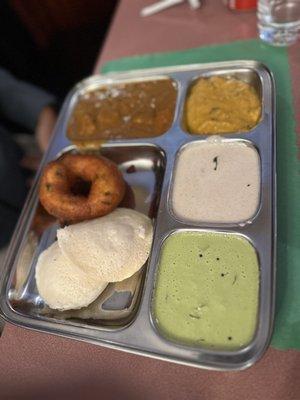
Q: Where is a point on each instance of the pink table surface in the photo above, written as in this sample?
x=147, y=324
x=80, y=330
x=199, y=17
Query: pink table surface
x=40, y=366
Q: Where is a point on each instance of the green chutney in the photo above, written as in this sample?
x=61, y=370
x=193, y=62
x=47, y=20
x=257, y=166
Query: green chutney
x=207, y=290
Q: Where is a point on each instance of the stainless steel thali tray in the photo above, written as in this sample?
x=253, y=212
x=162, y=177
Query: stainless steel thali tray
x=124, y=319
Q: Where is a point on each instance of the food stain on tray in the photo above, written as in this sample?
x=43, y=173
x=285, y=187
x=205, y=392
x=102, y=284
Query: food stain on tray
x=221, y=105
x=129, y=110
x=207, y=290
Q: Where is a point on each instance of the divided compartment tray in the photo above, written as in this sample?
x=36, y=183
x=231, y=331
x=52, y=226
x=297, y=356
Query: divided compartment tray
x=130, y=327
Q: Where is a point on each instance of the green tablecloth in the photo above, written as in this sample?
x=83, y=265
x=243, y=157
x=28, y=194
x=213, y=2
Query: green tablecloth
x=287, y=323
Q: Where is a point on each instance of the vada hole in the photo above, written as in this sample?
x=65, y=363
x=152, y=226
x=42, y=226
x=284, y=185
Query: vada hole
x=81, y=187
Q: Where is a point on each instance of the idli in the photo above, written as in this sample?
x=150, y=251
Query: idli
x=110, y=248
x=61, y=284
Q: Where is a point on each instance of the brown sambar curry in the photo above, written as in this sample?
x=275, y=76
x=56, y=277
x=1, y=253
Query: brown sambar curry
x=221, y=105
x=129, y=110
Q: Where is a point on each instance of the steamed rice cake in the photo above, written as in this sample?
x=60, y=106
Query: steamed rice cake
x=63, y=285
x=110, y=248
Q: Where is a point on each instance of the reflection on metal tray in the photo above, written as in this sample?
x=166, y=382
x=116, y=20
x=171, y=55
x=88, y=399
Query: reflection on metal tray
x=121, y=317
x=114, y=306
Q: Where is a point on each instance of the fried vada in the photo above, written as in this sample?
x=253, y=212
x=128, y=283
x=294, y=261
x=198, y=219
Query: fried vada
x=78, y=187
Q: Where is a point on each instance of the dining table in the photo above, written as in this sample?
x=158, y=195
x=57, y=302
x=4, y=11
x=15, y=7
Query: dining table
x=37, y=365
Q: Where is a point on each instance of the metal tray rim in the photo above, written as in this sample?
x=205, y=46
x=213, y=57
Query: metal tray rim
x=10, y=316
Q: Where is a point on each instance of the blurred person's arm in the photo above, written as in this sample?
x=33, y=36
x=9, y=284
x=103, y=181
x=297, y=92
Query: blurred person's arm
x=44, y=127
x=27, y=105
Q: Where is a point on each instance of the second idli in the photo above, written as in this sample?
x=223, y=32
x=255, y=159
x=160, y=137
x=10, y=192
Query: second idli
x=110, y=248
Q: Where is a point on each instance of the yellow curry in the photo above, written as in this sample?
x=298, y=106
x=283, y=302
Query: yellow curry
x=218, y=105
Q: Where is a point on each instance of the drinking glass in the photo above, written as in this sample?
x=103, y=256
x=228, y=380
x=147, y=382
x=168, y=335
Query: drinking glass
x=279, y=21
